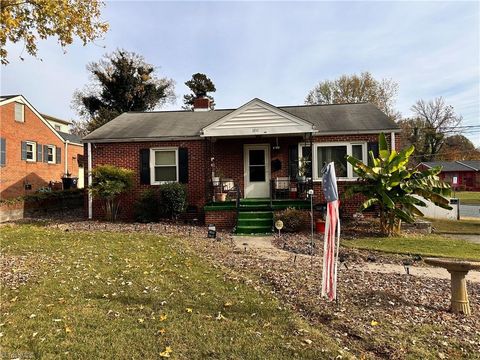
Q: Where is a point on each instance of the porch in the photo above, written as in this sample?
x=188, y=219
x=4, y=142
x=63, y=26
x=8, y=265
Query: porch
x=249, y=216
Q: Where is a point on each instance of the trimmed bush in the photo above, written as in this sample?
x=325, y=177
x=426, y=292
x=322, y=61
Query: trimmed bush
x=173, y=199
x=294, y=220
x=108, y=183
x=147, y=207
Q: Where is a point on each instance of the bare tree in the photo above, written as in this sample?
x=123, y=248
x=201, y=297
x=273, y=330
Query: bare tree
x=439, y=120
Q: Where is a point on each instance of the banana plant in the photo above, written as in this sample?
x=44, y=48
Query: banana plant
x=396, y=190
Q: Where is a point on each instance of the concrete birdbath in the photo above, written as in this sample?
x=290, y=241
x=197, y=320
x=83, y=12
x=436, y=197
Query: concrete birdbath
x=458, y=269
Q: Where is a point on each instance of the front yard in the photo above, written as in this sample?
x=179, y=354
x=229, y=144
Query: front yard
x=94, y=290
x=112, y=295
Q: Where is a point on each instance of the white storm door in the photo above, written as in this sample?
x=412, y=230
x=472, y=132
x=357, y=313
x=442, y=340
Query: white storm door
x=257, y=171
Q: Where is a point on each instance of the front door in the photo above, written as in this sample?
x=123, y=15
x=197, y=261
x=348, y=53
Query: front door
x=257, y=171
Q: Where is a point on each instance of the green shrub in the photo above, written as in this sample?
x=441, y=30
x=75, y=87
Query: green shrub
x=293, y=220
x=147, y=207
x=173, y=199
x=108, y=182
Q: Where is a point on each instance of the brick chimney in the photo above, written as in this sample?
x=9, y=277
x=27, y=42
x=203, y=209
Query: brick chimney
x=201, y=104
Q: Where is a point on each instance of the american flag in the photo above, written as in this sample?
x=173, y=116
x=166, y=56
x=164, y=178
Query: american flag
x=332, y=233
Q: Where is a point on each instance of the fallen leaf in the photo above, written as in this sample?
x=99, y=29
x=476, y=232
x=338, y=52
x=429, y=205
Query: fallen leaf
x=189, y=310
x=163, y=317
x=374, y=323
x=166, y=353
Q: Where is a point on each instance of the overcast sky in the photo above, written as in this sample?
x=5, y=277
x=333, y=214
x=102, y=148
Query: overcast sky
x=273, y=51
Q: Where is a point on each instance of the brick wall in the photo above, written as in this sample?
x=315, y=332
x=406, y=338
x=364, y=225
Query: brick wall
x=18, y=172
x=223, y=219
x=228, y=154
x=127, y=155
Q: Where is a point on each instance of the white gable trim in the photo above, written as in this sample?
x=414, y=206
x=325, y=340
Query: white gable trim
x=24, y=101
x=257, y=118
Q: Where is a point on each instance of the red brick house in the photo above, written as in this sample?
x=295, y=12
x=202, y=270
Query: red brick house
x=462, y=175
x=33, y=153
x=258, y=153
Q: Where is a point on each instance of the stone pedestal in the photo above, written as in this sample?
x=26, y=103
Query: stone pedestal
x=458, y=269
x=459, y=299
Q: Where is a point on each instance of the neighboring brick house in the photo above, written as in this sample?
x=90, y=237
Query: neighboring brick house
x=257, y=152
x=462, y=175
x=33, y=154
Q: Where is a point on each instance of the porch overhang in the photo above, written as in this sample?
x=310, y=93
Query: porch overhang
x=257, y=118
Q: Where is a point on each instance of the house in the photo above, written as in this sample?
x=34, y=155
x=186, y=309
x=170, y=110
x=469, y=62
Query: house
x=258, y=153
x=34, y=154
x=462, y=175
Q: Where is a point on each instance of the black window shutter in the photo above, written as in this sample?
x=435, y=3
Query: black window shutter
x=3, y=151
x=39, y=152
x=58, y=155
x=145, y=166
x=45, y=153
x=293, y=161
x=372, y=146
x=24, y=150
x=183, y=165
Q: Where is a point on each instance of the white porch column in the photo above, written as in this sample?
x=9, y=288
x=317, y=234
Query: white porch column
x=392, y=140
x=89, y=169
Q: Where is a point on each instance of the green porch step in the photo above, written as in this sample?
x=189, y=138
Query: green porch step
x=254, y=222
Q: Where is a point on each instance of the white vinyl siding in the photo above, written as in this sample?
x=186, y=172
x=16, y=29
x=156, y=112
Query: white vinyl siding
x=19, y=112
x=163, y=165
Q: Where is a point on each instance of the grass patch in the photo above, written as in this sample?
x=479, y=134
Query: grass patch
x=468, y=197
x=101, y=295
x=431, y=245
x=471, y=226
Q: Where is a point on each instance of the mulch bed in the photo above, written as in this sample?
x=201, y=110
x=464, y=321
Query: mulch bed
x=384, y=316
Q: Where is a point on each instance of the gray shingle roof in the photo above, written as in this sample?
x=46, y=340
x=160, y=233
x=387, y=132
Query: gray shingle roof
x=361, y=117
x=70, y=137
x=464, y=165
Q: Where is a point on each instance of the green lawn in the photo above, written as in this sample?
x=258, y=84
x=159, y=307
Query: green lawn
x=456, y=226
x=123, y=296
x=468, y=197
x=431, y=245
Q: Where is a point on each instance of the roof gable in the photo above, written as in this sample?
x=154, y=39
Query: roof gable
x=21, y=99
x=257, y=118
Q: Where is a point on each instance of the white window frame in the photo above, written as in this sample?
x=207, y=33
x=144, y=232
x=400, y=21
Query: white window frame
x=53, y=147
x=152, y=165
x=34, y=150
x=316, y=145
x=15, y=111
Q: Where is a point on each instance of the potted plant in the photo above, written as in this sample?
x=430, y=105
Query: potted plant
x=220, y=195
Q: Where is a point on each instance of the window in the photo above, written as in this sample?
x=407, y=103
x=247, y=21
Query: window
x=31, y=151
x=19, y=112
x=163, y=165
x=57, y=127
x=325, y=153
x=3, y=151
x=50, y=154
